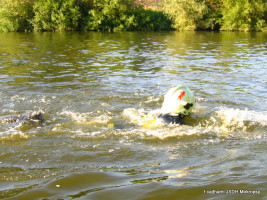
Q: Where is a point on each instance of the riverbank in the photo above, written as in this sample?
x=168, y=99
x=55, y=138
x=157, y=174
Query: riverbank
x=131, y=15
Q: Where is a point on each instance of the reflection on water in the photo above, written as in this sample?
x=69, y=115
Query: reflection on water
x=100, y=93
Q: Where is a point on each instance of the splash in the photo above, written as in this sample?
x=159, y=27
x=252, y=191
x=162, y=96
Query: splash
x=222, y=121
x=238, y=116
x=142, y=118
x=134, y=123
x=15, y=131
x=149, y=126
x=88, y=118
x=230, y=120
x=93, y=124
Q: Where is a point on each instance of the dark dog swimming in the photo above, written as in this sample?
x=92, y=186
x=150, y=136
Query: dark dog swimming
x=36, y=117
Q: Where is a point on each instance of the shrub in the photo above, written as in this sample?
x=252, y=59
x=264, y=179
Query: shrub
x=186, y=15
x=125, y=15
x=109, y=15
x=150, y=20
x=15, y=15
x=130, y=15
x=244, y=15
x=52, y=15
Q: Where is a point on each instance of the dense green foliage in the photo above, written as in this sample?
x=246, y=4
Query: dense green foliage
x=125, y=15
x=130, y=15
x=15, y=15
x=109, y=15
x=244, y=14
x=217, y=14
x=54, y=15
x=185, y=14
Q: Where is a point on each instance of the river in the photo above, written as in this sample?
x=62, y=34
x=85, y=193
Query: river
x=95, y=89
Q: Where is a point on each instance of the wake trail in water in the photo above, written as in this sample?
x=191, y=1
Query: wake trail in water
x=220, y=121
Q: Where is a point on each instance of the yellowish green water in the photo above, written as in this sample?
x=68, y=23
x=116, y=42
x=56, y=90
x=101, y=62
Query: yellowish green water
x=95, y=89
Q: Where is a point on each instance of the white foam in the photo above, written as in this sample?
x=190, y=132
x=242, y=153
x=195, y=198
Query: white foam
x=86, y=118
x=230, y=115
x=174, y=131
x=142, y=118
x=152, y=99
x=13, y=131
x=222, y=121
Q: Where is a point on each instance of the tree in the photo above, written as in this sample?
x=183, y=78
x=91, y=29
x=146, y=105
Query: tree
x=212, y=18
x=52, y=15
x=69, y=16
x=186, y=14
x=148, y=3
x=15, y=15
x=110, y=15
x=244, y=15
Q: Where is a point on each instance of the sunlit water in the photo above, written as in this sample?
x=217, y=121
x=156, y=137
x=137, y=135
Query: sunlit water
x=96, y=90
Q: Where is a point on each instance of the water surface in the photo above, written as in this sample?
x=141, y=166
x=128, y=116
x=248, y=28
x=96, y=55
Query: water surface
x=96, y=88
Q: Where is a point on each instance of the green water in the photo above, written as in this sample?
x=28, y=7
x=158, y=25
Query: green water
x=94, y=89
